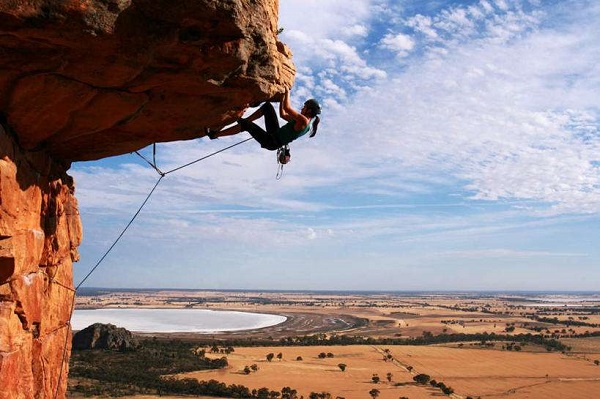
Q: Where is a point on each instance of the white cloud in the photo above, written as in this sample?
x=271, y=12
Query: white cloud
x=324, y=19
x=475, y=22
x=325, y=42
x=509, y=119
x=400, y=43
x=355, y=30
x=422, y=24
x=486, y=6
x=501, y=4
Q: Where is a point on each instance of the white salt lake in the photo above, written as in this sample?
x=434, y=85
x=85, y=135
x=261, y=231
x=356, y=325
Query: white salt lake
x=175, y=320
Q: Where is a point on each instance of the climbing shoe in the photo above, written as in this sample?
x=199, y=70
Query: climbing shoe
x=209, y=133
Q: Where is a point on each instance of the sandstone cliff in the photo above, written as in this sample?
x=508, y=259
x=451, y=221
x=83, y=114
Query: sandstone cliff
x=86, y=79
x=39, y=234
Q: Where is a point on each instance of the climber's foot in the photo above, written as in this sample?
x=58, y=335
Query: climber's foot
x=210, y=134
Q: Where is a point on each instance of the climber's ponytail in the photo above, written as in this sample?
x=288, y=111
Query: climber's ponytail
x=315, y=125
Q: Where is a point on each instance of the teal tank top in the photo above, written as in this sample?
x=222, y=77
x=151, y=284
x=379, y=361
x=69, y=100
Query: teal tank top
x=286, y=134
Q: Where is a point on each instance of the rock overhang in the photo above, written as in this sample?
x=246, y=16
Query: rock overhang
x=88, y=79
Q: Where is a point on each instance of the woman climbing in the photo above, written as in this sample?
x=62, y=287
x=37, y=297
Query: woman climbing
x=299, y=123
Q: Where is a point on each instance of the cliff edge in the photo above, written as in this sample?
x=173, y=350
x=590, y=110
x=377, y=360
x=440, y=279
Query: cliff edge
x=87, y=79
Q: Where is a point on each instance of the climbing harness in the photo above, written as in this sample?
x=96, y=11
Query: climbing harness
x=161, y=176
x=283, y=157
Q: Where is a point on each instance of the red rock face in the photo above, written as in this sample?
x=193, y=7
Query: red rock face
x=40, y=230
x=86, y=79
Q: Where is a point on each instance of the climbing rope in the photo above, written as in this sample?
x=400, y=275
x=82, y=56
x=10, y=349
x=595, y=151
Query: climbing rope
x=162, y=175
x=207, y=156
x=153, y=163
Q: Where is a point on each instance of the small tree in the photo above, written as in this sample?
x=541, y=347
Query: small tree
x=254, y=367
x=597, y=362
x=447, y=390
x=375, y=378
x=389, y=377
x=329, y=354
x=322, y=355
x=246, y=370
x=299, y=358
x=263, y=393
x=421, y=378
x=270, y=357
x=289, y=393
x=374, y=393
x=342, y=366
x=279, y=356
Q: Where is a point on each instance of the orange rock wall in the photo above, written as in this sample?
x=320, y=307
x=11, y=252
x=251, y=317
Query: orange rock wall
x=40, y=231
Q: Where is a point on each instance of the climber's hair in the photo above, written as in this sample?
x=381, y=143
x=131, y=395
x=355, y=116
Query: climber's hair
x=315, y=125
x=315, y=109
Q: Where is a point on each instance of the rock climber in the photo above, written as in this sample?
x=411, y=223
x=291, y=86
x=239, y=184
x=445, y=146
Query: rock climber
x=275, y=137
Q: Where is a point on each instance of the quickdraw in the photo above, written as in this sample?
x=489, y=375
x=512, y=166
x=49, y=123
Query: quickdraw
x=283, y=157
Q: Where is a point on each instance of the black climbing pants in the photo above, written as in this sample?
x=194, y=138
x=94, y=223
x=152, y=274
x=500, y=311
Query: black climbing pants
x=267, y=139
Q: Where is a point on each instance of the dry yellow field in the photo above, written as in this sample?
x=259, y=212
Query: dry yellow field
x=316, y=375
x=471, y=372
x=491, y=374
x=589, y=346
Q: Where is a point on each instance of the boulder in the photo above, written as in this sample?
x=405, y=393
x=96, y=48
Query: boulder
x=105, y=336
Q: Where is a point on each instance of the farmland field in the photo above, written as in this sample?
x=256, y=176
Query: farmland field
x=470, y=372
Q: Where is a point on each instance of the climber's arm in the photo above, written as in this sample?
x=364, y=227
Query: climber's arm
x=288, y=113
x=285, y=106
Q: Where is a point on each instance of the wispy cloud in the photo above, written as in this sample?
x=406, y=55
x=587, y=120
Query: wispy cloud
x=483, y=254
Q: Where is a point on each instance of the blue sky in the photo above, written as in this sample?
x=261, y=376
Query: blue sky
x=459, y=149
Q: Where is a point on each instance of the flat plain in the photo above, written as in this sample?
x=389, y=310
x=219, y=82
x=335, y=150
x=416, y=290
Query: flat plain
x=508, y=365
x=470, y=372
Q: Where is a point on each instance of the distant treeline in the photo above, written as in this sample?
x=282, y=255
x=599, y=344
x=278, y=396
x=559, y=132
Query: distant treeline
x=568, y=323
x=426, y=339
